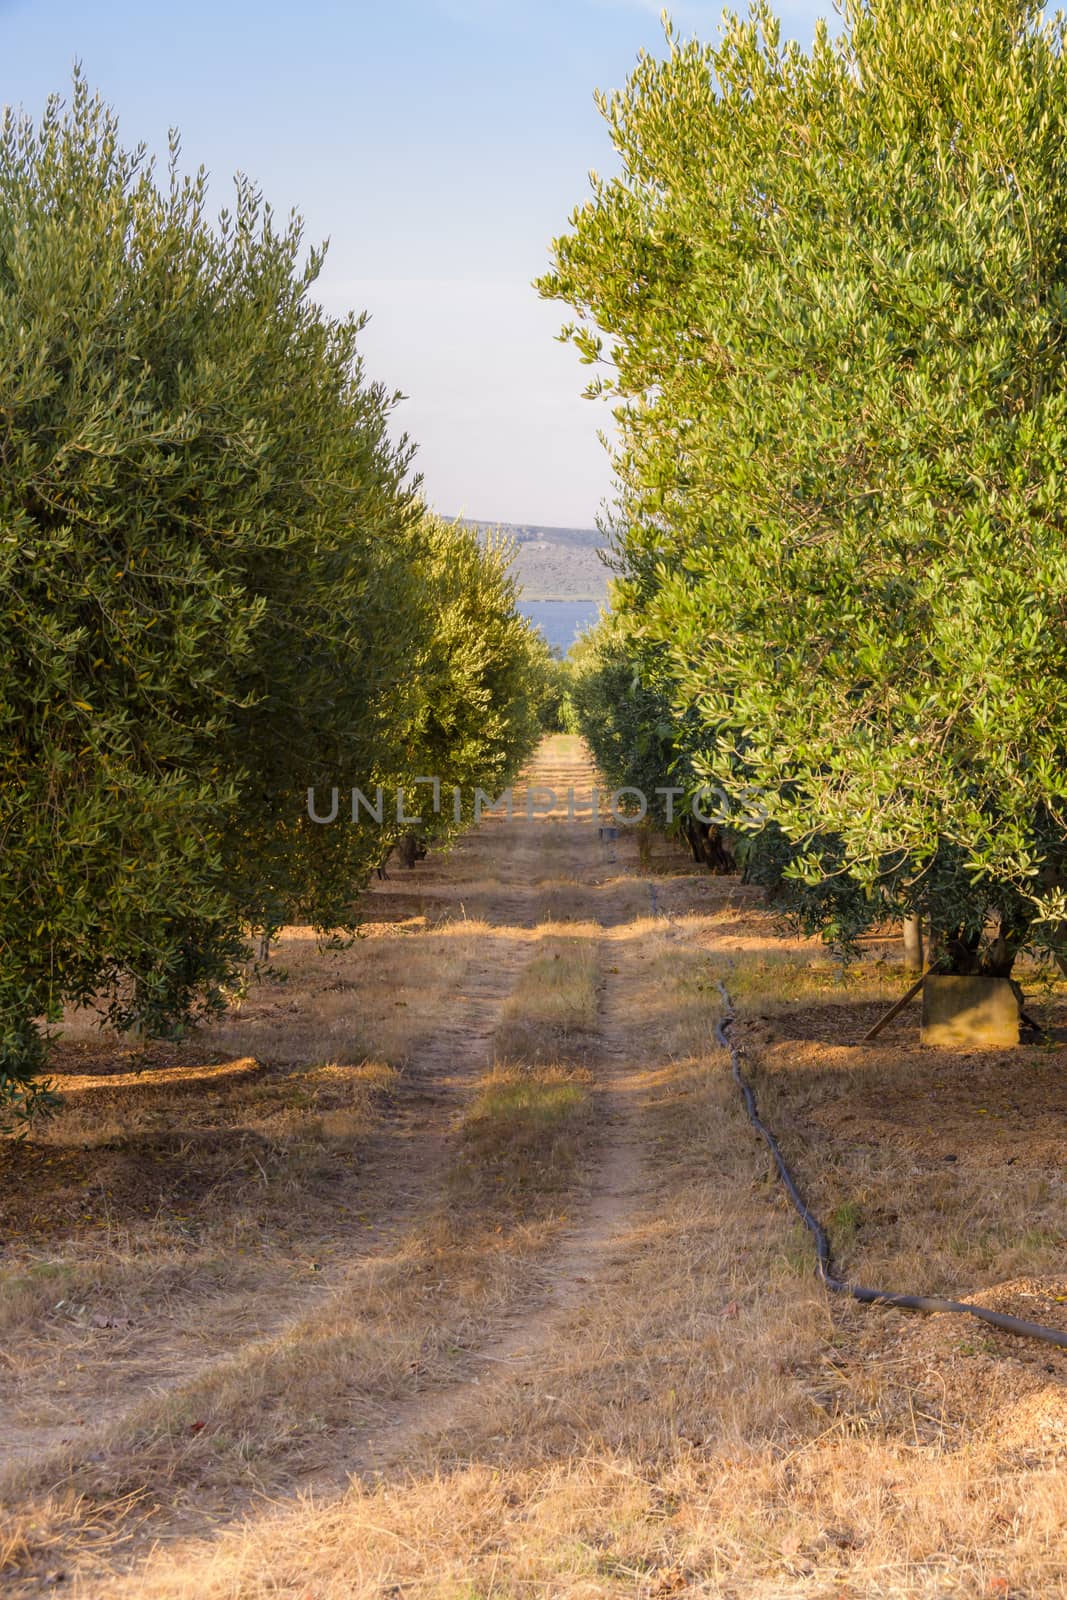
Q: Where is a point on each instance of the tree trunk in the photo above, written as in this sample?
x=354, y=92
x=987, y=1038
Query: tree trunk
x=960, y=952
x=1000, y=956
x=913, y=945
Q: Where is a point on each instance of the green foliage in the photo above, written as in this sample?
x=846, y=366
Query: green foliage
x=218, y=588
x=831, y=292
x=479, y=682
x=627, y=724
x=552, y=679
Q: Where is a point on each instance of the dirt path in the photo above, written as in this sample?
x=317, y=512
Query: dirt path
x=600, y=1228
x=509, y=881
x=349, y=1366
x=557, y=855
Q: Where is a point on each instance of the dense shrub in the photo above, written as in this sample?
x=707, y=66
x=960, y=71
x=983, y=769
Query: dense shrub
x=217, y=584
x=831, y=292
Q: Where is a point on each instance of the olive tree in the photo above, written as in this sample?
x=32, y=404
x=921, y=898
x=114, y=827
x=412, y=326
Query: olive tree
x=217, y=582
x=829, y=290
x=478, y=675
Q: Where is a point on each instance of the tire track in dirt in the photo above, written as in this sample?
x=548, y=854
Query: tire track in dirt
x=410, y=1151
x=400, y=1161
x=604, y=1213
x=598, y=1234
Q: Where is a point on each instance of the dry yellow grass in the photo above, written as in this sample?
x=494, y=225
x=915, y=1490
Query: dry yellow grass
x=551, y=1012
x=629, y=1383
x=522, y=1131
x=705, y=1423
x=779, y=980
x=317, y=1002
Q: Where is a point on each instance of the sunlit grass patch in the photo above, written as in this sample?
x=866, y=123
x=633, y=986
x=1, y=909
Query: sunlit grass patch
x=522, y=1133
x=778, y=981
x=539, y=1099
x=554, y=1003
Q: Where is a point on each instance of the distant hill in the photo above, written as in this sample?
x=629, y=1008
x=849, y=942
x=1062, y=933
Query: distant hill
x=554, y=563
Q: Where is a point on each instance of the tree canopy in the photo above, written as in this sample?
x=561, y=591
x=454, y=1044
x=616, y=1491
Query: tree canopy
x=829, y=289
x=218, y=585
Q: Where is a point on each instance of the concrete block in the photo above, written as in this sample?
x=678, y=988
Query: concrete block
x=969, y=1013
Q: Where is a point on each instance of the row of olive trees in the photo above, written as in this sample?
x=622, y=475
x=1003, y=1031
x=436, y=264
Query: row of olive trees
x=218, y=588
x=829, y=290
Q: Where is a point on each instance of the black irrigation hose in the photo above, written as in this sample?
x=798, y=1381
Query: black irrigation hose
x=870, y=1297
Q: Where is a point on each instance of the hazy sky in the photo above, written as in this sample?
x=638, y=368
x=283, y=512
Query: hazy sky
x=439, y=144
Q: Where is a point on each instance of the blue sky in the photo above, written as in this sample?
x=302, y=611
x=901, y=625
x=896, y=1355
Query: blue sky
x=439, y=144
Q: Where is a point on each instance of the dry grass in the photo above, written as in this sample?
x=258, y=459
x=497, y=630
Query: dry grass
x=525, y=1132
x=653, y=1398
x=372, y=998
x=705, y=1423
x=523, y=1137
x=175, y=1192
x=922, y=1185
x=551, y=1013
x=777, y=981
x=313, y=1002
